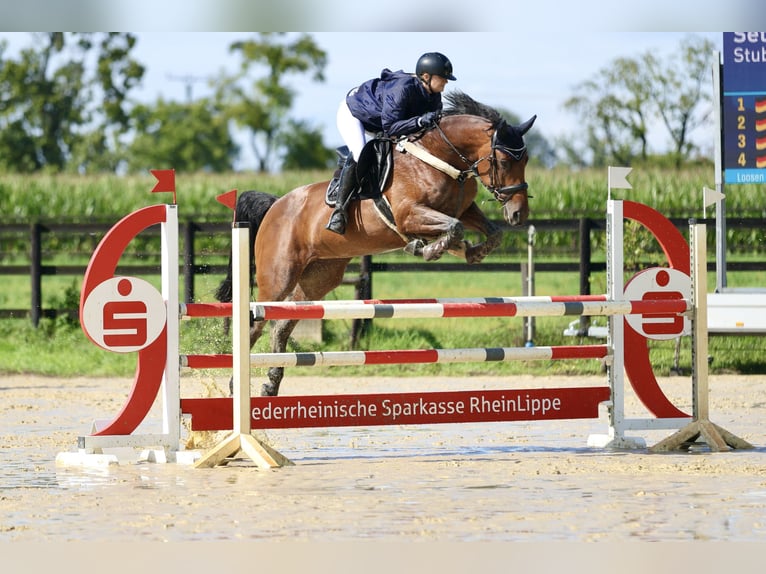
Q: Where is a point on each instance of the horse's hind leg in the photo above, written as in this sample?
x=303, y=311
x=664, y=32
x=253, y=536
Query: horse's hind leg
x=280, y=335
x=271, y=389
x=317, y=280
x=256, y=330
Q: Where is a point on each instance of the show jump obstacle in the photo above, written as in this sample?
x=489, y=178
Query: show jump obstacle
x=127, y=314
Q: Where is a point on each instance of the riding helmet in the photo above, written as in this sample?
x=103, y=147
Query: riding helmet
x=435, y=64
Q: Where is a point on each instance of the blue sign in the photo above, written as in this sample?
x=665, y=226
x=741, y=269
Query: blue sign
x=744, y=107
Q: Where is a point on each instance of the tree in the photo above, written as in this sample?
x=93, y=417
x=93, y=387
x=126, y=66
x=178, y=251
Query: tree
x=304, y=148
x=55, y=111
x=185, y=136
x=116, y=74
x=678, y=91
x=615, y=108
x=620, y=104
x=260, y=104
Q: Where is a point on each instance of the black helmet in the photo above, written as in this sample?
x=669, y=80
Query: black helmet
x=435, y=64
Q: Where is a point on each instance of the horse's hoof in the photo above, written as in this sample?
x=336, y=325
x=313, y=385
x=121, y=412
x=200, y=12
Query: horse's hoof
x=474, y=257
x=432, y=253
x=268, y=390
x=415, y=247
x=462, y=250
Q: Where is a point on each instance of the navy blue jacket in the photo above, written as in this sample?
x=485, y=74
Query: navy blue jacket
x=392, y=103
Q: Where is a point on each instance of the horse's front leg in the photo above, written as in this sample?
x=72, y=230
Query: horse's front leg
x=447, y=233
x=477, y=253
x=474, y=219
x=451, y=240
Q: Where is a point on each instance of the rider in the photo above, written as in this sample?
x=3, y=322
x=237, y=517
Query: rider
x=395, y=104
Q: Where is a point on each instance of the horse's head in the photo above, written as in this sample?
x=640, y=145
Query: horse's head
x=508, y=160
x=505, y=153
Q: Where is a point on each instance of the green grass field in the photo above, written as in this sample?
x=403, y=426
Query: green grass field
x=58, y=347
x=556, y=191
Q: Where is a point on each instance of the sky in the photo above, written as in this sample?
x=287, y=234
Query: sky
x=531, y=73
x=528, y=58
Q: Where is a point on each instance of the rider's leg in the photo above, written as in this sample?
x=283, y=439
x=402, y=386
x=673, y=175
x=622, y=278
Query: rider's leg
x=353, y=134
x=337, y=223
x=351, y=130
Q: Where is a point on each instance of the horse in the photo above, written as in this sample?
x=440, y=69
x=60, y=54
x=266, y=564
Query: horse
x=431, y=193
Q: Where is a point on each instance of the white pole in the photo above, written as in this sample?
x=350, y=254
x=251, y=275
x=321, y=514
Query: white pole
x=241, y=327
x=531, y=232
x=615, y=269
x=241, y=439
x=171, y=391
x=720, y=206
x=616, y=333
x=698, y=234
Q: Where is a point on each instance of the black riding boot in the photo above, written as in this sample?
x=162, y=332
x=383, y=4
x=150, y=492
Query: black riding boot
x=337, y=223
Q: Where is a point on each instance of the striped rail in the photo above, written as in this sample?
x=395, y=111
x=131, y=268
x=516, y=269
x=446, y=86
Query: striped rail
x=409, y=356
x=595, y=305
x=224, y=309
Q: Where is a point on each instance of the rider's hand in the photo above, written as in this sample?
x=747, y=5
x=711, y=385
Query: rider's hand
x=428, y=119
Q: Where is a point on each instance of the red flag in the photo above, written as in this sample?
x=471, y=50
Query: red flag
x=229, y=199
x=166, y=181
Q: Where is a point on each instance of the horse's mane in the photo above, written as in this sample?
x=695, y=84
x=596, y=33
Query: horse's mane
x=461, y=103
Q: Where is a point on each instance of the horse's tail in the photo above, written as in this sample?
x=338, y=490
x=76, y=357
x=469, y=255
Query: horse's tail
x=251, y=208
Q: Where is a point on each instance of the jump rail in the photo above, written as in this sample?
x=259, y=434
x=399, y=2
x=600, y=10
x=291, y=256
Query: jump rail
x=659, y=303
x=511, y=307
x=406, y=356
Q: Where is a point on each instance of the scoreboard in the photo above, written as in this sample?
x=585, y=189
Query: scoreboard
x=744, y=107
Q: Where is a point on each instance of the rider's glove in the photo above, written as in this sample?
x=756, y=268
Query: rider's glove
x=428, y=119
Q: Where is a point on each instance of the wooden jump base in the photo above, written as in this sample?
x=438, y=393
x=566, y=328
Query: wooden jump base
x=241, y=439
x=717, y=438
x=653, y=313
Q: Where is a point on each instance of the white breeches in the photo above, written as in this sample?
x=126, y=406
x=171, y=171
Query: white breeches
x=351, y=130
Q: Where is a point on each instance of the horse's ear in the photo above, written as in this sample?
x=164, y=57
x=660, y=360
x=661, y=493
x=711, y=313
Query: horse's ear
x=525, y=127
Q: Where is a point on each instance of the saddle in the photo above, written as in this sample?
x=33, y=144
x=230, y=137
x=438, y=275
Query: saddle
x=373, y=170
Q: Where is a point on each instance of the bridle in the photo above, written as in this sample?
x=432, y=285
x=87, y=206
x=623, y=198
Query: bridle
x=505, y=193
x=502, y=194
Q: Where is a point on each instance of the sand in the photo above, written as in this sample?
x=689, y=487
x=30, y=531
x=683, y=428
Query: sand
x=498, y=482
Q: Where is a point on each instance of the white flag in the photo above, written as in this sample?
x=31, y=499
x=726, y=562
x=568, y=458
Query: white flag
x=710, y=196
x=617, y=177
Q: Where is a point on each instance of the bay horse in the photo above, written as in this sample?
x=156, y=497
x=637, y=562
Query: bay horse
x=431, y=196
